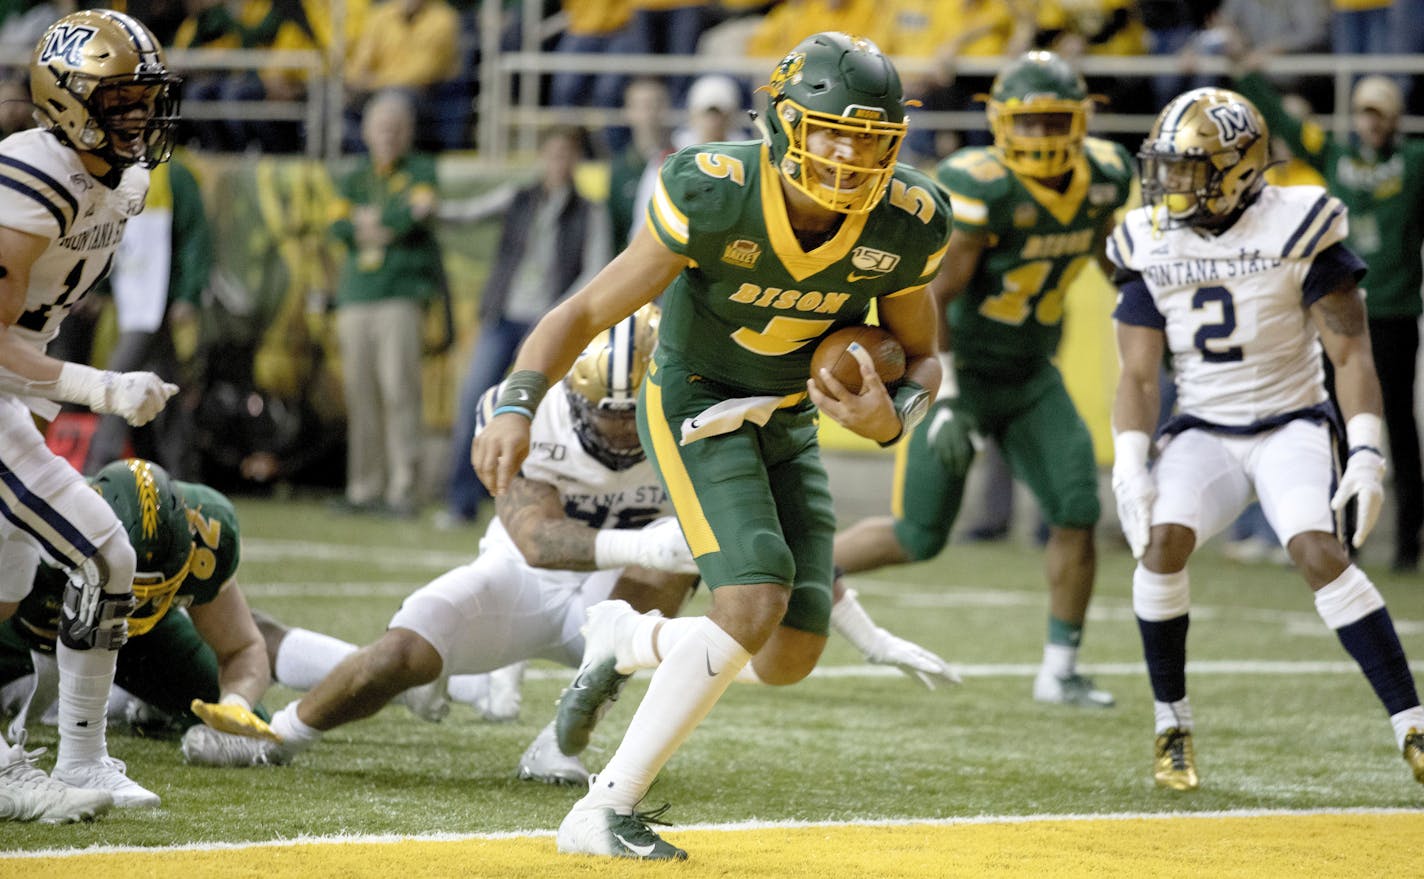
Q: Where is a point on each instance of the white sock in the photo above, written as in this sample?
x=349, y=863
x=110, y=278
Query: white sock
x=652, y=638
x=1059, y=660
x=468, y=689
x=1405, y=721
x=295, y=735
x=1173, y=714
x=84, y=680
x=679, y=696
x=304, y=657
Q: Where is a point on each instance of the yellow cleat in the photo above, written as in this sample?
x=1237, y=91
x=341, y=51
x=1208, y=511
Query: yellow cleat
x=234, y=719
x=1175, y=766
x=1414, y=752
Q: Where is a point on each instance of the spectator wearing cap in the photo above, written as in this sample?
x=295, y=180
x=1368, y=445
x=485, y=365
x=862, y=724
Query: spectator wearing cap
x=715, y=112
x=1379, y=175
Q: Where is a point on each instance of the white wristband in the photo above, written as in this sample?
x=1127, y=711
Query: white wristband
x=1364, y=431
x=82, y=384
x=948, y=381
x=1130, y=450
x=235, y=699
x=853, y=623
x=616, y=548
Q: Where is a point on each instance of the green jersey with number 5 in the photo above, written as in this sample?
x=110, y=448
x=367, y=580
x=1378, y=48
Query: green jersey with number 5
x=1010, y=316
x=749, y=311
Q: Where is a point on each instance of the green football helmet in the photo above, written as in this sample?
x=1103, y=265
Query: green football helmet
x=1038, y=112
x=842, y=84
x=155, y=519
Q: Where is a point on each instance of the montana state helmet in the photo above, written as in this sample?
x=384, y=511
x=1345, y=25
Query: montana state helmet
x=1038, y=113
x=98, y=80
x=155, y=519
x=1205, y=158
x=603, y=388
x=844, y=85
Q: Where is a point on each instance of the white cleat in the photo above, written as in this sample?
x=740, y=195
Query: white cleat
x=1076, y=690
x=27, y=794
x=543, y=761
x=205, y=746
x=592, y=828
x=109, y=775
x=502, y=702
x=430, y=702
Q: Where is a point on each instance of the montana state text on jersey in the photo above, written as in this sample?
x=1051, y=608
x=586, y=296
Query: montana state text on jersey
x=1010, y=316
x=46, y=191
x=1233, y=305
x=722, y=206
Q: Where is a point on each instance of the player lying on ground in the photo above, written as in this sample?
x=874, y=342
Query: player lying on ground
x=582, y=522
x=193, y=651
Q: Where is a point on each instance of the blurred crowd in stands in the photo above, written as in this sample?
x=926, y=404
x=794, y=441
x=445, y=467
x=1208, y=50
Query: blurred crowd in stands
x=421, y=57
x=430, y=48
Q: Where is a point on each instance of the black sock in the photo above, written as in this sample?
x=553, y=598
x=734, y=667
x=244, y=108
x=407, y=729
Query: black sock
x=1164, y=646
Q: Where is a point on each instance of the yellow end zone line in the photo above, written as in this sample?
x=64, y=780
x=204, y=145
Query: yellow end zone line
x=1245, y=843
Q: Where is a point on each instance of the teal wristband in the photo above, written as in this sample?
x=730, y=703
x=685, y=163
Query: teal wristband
x=521, y=391
x=518, y=410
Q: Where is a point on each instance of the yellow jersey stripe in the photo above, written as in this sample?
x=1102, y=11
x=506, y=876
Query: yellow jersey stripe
x=665, y=216
x=695, y=526
x=970, y=211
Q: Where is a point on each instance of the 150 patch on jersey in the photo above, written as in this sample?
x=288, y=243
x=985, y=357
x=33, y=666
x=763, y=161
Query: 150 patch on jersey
x=868, y=259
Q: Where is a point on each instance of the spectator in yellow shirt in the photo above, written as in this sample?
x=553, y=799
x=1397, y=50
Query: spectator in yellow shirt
x=411, y=45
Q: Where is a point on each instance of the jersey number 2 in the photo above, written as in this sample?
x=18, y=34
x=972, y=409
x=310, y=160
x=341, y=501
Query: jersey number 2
x=1212, y=332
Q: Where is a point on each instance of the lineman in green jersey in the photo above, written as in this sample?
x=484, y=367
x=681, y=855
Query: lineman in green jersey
x=1029, y=214
x=1379, y=175
x=763, y=248
x=211, y=660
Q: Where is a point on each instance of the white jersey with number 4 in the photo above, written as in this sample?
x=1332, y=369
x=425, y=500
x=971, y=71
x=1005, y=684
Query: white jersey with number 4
x=590, y=490
x=1234, y=305
x=46, y=191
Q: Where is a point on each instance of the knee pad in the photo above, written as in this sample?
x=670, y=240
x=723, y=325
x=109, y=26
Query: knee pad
x=93, y=617
x=1348, y=598
x=920, y=542
x=952, y=437
x=1159, y=597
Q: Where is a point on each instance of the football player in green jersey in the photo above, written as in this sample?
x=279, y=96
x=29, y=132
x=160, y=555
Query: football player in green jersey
x=1029, y=213
x=763, y=248
x=209, y=664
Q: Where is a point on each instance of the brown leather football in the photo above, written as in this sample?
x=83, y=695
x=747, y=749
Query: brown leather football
x=833, y=354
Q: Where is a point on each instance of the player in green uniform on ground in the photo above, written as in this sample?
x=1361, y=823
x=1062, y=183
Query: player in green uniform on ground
x=764, y=248
x=186, y=538
x=1029, y=213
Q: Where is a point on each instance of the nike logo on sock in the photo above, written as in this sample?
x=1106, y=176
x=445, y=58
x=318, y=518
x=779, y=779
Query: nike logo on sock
x=710, y=672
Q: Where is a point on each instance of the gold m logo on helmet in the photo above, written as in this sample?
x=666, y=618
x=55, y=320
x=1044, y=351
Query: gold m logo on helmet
x=1233, y=121
x=65, y=43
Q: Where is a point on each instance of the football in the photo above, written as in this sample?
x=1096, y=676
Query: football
x=833, y=354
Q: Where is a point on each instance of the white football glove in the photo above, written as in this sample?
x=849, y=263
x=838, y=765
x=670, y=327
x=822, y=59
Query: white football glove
x=136, y=396
x=882, y=648
x=1363, y=481
x=1134, y=488
x=659, y=545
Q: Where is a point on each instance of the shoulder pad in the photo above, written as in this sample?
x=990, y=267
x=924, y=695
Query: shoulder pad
x=1110, y=158
x=1316, y=219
